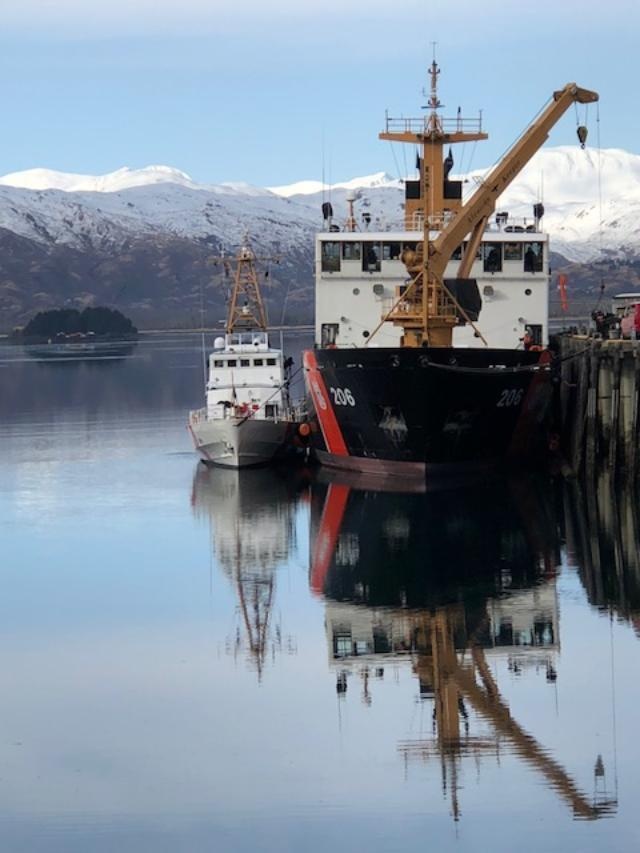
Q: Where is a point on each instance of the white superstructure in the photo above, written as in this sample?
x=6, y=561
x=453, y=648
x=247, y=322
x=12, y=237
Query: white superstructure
x=247, y=416
x=357, y=274
x=246, y=377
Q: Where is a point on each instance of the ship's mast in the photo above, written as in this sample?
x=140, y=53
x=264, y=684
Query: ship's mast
x=426, y=308
x=428, y=312
x=246, y=307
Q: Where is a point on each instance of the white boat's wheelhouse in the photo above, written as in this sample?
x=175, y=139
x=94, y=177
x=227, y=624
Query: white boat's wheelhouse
x=246, y=378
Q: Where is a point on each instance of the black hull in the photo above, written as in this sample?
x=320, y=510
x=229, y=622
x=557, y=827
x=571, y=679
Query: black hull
x=402, y=412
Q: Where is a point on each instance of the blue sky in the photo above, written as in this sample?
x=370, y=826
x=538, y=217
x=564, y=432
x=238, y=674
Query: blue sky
x=233, y=90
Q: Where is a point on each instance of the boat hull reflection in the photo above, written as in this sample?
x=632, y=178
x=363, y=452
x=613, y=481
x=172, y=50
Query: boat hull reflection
x=448, y=582
x=426, y=547
x=251, y=514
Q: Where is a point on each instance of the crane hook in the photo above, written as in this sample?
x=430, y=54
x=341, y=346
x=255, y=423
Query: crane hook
x=582, y=135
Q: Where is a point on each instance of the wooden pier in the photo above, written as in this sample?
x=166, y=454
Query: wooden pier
x=598, y=404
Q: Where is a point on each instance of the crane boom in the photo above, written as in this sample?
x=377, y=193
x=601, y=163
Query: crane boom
x=483, y=201
x=425, y=307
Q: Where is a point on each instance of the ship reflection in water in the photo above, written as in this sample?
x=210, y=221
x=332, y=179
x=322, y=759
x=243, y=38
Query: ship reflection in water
x=252, y=533
x=447, y=582
x=456, y=593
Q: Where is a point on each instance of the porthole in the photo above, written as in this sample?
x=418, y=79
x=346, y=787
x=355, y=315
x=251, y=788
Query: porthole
x=356, y=291
x=528, y=292
x=365, y=334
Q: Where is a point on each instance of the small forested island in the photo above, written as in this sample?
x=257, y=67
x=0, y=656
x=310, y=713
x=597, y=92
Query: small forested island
x=69, y=324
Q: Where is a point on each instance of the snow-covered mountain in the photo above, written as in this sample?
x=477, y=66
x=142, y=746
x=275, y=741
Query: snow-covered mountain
x=591, y=198
x=580, y=189
x=143, y=239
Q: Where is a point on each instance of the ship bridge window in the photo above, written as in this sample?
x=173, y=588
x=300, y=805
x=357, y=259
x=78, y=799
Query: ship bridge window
x=330, y=257
x=232, y=362
x=512, y=251
x=492, y=257
x=390, y=251
x=351, y=251
x=245, y=362
x=271, y=362
x=218, y=362
x=533, y=257
x=456, y=255
x=371, y=257
x=258, y=362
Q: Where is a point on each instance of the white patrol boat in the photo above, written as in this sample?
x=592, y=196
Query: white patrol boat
x=248, y=417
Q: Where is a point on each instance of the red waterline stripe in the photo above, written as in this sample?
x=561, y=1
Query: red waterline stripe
x=326, y=416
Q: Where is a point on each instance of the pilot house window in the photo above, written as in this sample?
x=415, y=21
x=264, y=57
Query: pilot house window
x=390, y=251
x=513, y=251
x=371, y=257
x=492, y=257
x=330, y=257
x=351, y=251
x=533, y=257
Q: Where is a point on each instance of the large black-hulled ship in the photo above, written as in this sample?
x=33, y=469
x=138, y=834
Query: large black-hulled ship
x=399, y=411
x=430, y=339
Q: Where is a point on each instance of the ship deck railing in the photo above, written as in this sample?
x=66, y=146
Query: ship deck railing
x=423, y=124
x=512, y=225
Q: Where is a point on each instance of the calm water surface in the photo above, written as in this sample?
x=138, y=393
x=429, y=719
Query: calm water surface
x=196, y=659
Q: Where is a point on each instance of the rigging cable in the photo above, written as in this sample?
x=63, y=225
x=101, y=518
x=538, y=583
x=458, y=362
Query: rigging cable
x=395, y=159
x=600, y=223
x=204, y=354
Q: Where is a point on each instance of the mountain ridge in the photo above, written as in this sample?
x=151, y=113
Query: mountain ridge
x=142, y=239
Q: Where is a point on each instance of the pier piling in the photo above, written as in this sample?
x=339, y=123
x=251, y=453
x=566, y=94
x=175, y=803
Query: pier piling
x=599, y=404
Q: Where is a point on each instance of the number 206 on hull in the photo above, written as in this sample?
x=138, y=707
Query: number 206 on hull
x=401, y=410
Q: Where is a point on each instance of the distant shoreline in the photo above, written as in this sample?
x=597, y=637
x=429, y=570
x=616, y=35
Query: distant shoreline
x=220, y=331
x=206, y=330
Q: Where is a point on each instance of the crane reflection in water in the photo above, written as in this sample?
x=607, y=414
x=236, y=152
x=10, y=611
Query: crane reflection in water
x=448, y=581
x=252, y=515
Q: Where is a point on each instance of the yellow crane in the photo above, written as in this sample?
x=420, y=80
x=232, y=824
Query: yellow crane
x=426, y=308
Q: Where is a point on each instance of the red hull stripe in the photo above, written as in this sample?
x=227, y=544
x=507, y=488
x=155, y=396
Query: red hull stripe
x=326, y=416
x=325, y=545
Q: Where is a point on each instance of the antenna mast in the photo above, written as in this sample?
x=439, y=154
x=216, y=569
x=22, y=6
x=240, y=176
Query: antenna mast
x=246, y=306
